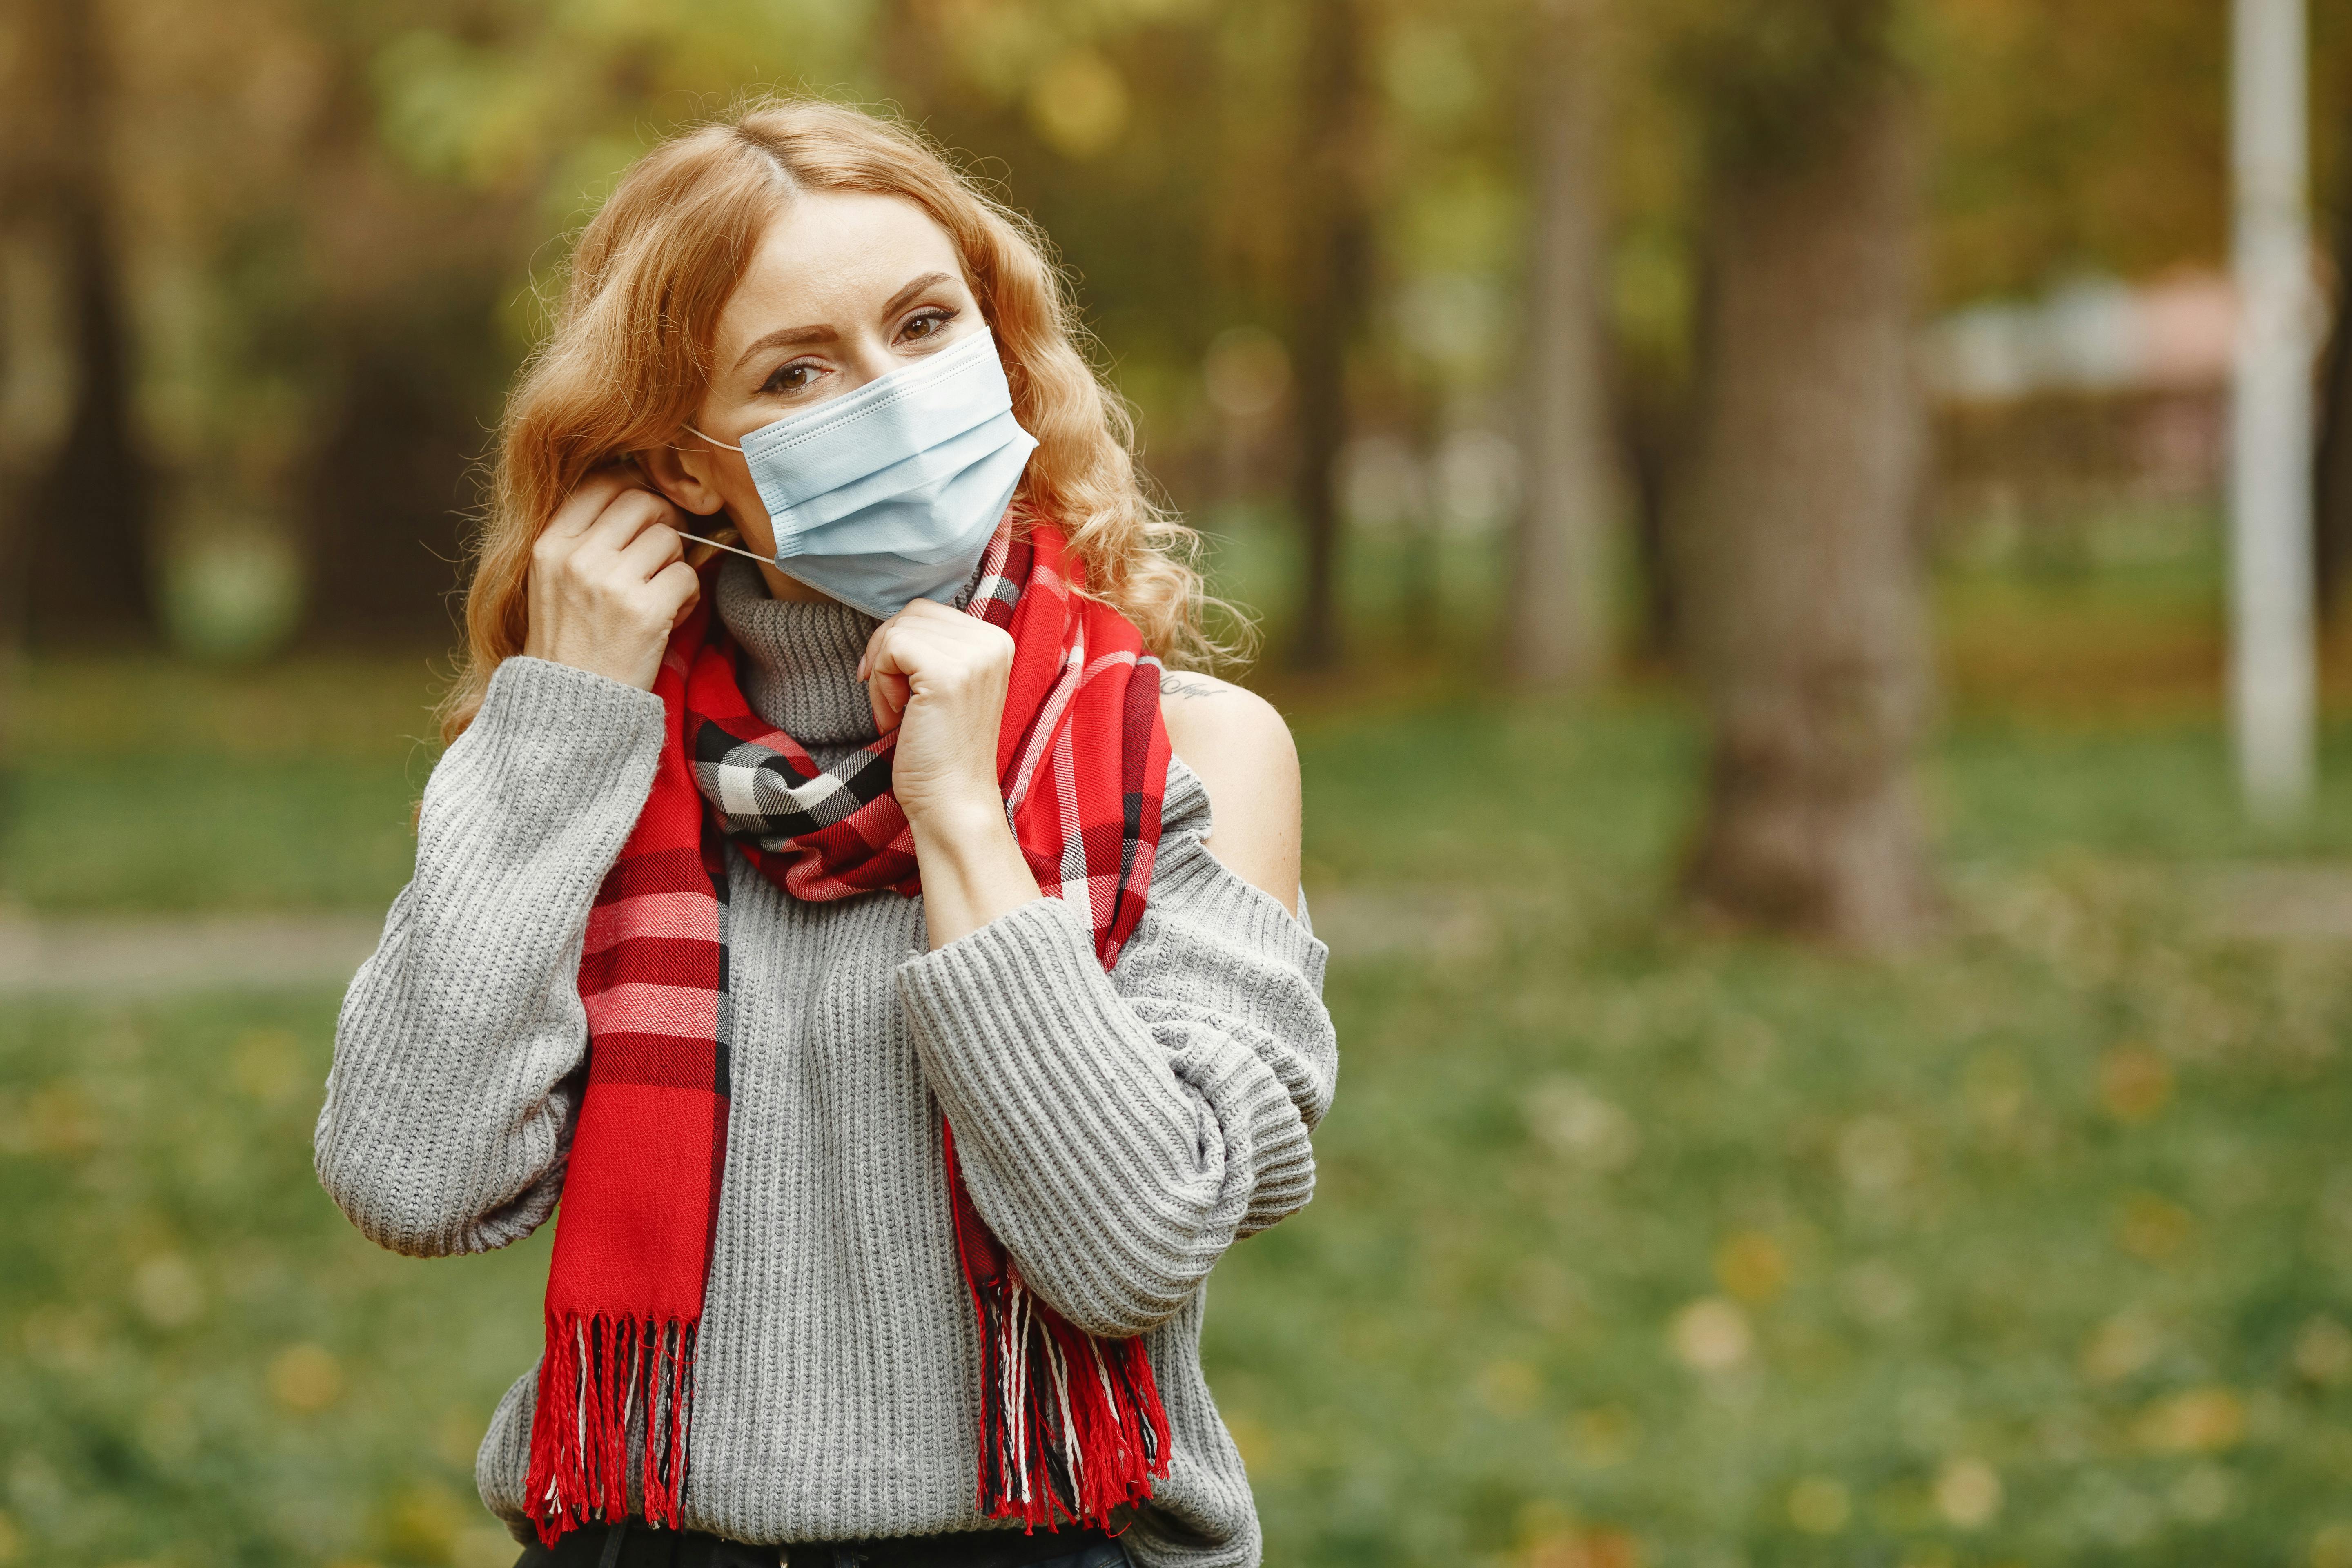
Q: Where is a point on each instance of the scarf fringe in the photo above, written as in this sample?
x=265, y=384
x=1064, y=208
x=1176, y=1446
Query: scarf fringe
x=1071, y=1426
x=601, y=1375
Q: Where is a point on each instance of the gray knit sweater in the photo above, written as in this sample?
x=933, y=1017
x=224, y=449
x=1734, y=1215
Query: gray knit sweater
x=1117, y=1131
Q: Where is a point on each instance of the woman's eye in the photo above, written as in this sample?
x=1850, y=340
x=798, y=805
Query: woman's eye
x=928, y=324
x=792, y=378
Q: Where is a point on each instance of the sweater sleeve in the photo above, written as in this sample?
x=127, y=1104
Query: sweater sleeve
x=448, y=1109
x=1118, y=1131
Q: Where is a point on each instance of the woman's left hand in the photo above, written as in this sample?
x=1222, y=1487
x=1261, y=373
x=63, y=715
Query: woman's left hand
x=938, y=678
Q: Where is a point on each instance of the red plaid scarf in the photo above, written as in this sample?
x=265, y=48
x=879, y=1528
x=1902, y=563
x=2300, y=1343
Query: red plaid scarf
x=1071, y=1426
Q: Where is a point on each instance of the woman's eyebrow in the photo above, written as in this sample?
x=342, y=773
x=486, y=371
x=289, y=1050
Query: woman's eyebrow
x=787, y=337
x=906, y=296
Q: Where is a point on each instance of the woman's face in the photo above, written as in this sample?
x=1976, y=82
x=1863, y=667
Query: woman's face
x=845, y=287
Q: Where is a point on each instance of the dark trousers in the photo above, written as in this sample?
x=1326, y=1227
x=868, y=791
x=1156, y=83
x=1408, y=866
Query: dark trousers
x=636, y=1545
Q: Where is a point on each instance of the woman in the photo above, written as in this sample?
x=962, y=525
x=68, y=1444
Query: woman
x=842, y=934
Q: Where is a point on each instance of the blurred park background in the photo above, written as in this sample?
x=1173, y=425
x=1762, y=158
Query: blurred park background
x=1731, y=495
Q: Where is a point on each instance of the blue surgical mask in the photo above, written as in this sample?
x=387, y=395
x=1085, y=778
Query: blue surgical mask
x=890, y=493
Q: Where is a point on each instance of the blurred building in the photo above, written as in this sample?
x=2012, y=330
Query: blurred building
x=2087, y=424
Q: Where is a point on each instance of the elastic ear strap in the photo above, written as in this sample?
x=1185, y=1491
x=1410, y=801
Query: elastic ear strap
x=716, y=441
x=731, y=548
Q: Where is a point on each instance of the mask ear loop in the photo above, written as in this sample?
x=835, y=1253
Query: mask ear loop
x=712, y=543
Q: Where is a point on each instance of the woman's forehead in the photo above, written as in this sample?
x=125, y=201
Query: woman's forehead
x=831, y=255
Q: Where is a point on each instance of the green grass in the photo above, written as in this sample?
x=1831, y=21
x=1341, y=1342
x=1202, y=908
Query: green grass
x=210, y=833
x=2066, y=1205
x=204, y=1365
x=141, y=785
x=1630, y=1245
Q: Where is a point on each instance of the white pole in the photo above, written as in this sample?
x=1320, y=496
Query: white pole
x=2273, y=676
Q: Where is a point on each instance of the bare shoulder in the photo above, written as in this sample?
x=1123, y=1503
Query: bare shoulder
x=1238, y=744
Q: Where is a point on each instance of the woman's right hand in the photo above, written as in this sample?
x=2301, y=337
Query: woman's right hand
x=609, y=582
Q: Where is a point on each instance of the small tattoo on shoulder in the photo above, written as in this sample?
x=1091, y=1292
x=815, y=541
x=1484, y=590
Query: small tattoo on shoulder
x=1174, y=685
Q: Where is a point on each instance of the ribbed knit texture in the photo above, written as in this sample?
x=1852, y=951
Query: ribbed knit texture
x=1117, y=1131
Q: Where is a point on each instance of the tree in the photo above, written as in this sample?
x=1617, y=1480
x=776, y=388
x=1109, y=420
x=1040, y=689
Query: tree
x=410, y=368
x=83, y=543
x=1558, y=610
x=1332, y=275
x=2331, y=531
x=390, y=482
x=1802, y=587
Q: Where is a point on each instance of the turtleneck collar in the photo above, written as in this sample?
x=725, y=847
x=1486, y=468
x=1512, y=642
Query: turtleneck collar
x=799, y=667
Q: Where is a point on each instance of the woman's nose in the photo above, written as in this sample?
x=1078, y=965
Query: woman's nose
x=865, y=358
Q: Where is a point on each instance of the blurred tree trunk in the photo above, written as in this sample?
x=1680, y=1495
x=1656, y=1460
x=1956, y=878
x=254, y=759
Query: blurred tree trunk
x=1803, y=596
x=392, y=478
x=36, y=375
x=410, y=371
x=2331, y=532
x=83, y=537
x=1650, y=418
x=1558, y=610
x=1334, y=283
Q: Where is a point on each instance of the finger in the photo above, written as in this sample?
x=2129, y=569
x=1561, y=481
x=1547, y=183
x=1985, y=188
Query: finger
x=903, y=652
x=890, y=695
x=875, y=641
x=625, y=516
x=897, y=626
x=942, y=628
x=685, y=583
x=651, y=550
x=583, y=506
x=886, y=670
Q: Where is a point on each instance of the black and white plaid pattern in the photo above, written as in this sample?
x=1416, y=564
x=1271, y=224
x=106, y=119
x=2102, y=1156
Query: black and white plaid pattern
x=766, y=796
